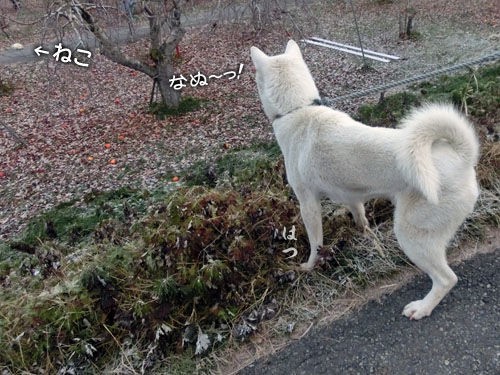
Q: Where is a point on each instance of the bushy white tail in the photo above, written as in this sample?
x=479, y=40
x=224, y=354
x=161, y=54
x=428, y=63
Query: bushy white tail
x=422, y=128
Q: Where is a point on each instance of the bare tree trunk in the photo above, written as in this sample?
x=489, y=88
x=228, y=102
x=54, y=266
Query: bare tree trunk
x=409, y=22
x=169, y=96
x=3, y=26
x=406, y=21
x=162, y=47
x=162, y=51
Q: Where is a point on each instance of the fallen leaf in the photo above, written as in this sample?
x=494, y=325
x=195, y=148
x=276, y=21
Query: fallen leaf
x=203, y=342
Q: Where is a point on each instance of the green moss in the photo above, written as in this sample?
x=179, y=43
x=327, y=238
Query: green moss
x=155, y=55
x=6, y=88
x=186, y=105
x=389, y=110
x=76, y=221
x=252, y=166
x=36, y=332
x=477, y=92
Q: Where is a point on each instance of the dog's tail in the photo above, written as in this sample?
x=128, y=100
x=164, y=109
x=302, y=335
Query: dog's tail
x=423, y=127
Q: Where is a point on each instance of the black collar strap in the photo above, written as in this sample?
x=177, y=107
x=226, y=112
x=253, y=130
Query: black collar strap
x=314, y=102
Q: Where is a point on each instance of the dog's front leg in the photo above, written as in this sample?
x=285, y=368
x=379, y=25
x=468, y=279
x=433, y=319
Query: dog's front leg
x=310, y=210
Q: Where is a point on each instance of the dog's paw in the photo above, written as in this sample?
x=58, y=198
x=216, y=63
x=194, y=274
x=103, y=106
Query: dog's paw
x=306, y=267
x=363, y=225
x=417, y=310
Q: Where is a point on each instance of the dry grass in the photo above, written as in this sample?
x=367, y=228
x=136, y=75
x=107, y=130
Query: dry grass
x=489, y=164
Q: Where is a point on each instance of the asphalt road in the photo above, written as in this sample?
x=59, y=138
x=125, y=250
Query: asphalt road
x=462, y=336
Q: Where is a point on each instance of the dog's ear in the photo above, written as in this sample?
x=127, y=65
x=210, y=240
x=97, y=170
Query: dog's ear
x=292, y=48
x=258, y=57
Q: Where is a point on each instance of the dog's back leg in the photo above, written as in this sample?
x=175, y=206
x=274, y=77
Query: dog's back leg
x=358, y=213
x=310, y=210
x=429, y=254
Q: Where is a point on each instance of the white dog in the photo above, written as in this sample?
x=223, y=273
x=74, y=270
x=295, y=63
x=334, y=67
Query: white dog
x=426, y=167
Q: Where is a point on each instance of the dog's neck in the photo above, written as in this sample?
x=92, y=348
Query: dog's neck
x=314, y=102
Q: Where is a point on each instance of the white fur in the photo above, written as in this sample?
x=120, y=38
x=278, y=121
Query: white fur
x=426, y=167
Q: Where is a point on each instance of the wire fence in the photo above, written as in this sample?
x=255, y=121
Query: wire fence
x=469, y=64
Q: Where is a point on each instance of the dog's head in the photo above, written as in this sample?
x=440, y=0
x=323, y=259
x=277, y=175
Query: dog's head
x=284, y=81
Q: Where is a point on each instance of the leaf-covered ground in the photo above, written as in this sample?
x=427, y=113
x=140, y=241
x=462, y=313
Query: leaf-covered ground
x=69, y=130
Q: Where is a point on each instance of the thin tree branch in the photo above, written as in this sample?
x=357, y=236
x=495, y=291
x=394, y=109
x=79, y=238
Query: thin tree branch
x=14, y=134
x=109, y=48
